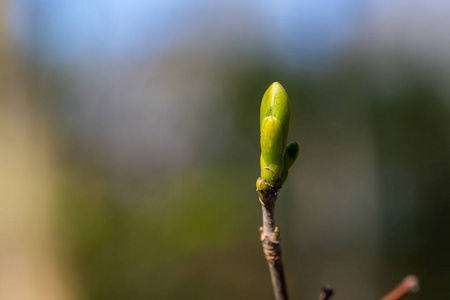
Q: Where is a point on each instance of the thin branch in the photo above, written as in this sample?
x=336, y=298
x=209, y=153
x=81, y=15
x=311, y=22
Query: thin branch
x=408, y=285
x=270, y=238
x=326, y=293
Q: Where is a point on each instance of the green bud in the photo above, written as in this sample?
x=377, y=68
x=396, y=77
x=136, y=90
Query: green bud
x=275, y=103
x=276, y=157
x=274, y=122
x=292, y=152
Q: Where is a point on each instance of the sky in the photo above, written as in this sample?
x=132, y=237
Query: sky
x=64, y=30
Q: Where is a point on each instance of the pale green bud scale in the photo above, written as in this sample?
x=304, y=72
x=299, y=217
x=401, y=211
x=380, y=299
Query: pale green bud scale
x=275, y=103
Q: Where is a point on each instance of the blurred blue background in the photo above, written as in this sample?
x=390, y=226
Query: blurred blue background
x=129, y=147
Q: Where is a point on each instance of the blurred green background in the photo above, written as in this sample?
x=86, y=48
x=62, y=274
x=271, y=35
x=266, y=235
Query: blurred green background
x=129, y=147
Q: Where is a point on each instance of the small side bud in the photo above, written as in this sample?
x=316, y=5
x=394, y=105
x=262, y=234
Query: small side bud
x=292, y=152
x=290, y=156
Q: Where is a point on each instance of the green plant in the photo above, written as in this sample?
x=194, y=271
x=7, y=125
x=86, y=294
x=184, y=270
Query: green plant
x=276, y=157
x=276, y=160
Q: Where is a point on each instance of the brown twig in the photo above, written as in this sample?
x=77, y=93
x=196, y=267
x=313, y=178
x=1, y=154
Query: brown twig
x=326, y=293
x=270, y=238
x=408, y=285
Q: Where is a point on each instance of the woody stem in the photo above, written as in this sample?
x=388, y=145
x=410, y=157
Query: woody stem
x=271, y=246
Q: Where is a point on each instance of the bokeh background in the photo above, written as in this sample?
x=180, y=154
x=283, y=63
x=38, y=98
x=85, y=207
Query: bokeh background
x=129, y=147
